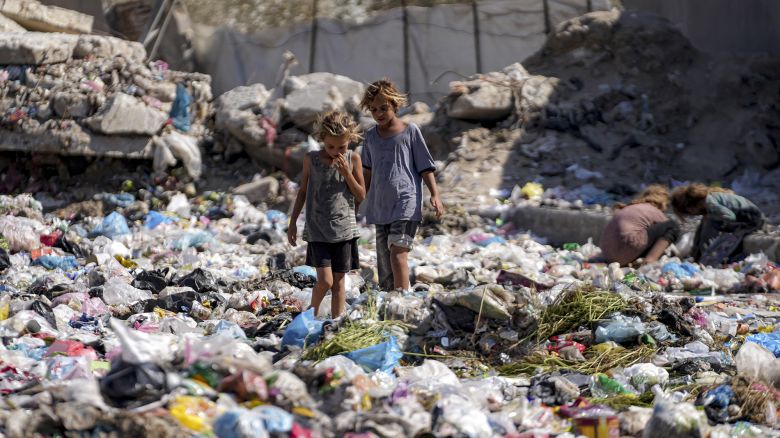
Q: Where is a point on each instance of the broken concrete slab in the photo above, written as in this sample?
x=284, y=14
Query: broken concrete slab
x=124, y=114
x=303, y=105
x=109, y=47
x=480, y=100
x=35, y=48
x=8, y=25
x=70, y=104
x=307, y=96
x=45, y=141
x=260, y=190
x=236, y=113
x=38, y=17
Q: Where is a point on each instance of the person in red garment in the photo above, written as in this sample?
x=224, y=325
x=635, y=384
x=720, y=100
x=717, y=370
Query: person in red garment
x=640, y=229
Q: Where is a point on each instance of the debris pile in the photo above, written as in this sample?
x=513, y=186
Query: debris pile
x=94, y=95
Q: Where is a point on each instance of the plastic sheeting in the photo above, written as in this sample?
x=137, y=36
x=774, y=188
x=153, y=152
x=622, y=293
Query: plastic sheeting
x=441, y=45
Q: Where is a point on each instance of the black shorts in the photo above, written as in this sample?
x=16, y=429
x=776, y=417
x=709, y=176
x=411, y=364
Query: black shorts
x=339, y=256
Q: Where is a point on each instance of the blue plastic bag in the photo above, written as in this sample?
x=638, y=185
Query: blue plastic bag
x=491, y=240
x=112, y=226
x=155, y=218
x=65, y=263
x=382, y=357
x=681, y=270
x=192, y=239
x=304, y=330
x=770, y=341
x=180, y=110
x=230, y=327
x=620, y=329
x=239, y=423
x=275, y=419
x=306, y=270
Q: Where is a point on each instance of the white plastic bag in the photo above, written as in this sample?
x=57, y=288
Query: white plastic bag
x=116, y=291
x=755, y=361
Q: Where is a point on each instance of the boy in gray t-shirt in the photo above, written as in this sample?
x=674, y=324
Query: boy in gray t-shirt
x=396, y=158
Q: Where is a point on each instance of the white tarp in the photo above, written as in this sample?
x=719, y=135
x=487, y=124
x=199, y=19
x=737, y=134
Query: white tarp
x=441, y=45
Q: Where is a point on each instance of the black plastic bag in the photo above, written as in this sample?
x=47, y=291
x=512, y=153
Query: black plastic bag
x=71, y=248
x=45, y=311
x=154, y=281
x=199, y=280
x=5, y=260
x=131, y=385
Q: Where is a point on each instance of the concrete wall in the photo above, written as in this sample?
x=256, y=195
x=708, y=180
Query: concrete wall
x=721, y=25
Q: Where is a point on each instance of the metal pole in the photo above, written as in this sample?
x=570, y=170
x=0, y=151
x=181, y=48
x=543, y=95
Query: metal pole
x=477, y=45
x=406, y=46
x=313, y=41
x=161, y=34
x=546, y=16
x=155, y=22
x=589, y=5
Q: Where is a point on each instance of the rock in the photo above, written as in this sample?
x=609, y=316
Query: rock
x=35, y=48
x=235, y=113
x=309, y=95
x=38, y=17
x=109, y=47
x=304, y=105
x=260, y=190
x=8, y=25
x=480, y=100
x=124, y=114
x=163, y=91
x=70, y=104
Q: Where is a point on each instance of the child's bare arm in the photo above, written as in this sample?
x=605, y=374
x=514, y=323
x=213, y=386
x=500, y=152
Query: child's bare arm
x=300, y=199
x=430, y=181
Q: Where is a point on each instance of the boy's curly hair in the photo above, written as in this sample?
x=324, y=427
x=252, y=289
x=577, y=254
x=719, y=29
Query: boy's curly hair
x=337, y=123
x=686, y=199
x=386, y=89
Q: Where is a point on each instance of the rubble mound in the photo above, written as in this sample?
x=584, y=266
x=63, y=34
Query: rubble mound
x=646, y=42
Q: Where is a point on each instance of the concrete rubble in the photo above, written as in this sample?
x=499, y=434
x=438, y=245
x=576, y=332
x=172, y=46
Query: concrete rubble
x=91, y=95
x=33, y=15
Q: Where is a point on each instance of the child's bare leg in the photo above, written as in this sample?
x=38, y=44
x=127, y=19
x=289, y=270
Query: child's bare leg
x=324, y=282
x=338, y=299
x=656, y=250
x=399, y=260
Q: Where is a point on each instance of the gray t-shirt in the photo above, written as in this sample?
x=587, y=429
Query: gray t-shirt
x=396, y=164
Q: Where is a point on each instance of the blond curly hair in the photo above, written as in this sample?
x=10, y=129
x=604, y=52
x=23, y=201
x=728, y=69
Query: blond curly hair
x=337, y=123
x=386, y=89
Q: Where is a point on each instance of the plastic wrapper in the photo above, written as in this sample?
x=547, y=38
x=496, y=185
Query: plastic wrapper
x=770, y=341
x=194, y=413
x=675, y=421
x=112, y=226
x=493, y=300
x=380, y=357
x=179, y=205
x=304, y=330
x=240, y=423
x=116, y=291
x=65, y=263
x=21, y=233
x=643, y=376
x=192, y=239
x=620, y=329
x=755, y=361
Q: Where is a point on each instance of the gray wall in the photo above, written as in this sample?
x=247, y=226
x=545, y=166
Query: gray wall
x=751, y=26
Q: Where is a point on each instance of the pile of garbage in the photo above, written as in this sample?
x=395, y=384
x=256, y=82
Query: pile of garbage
x=190, y=318
x=92, y=95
